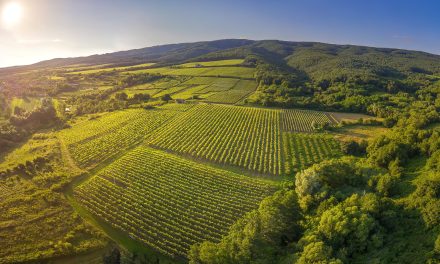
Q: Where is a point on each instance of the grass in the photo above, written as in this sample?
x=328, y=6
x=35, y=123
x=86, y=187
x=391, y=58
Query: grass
x=359, y=132
x=31, y=208
x=28, y=103
x=350, y=117
x=123, y=68
x=132, y=92
x=232, y=62
x=413, y=172
x=40, y=145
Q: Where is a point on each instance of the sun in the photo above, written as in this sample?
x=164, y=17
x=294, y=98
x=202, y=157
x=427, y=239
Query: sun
x=11, y=14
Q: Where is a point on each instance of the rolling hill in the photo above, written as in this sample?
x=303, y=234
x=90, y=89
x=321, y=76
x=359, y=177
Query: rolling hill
x=228, y=151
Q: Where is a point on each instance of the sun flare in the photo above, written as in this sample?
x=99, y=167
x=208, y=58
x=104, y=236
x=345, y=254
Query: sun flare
x=11, y=14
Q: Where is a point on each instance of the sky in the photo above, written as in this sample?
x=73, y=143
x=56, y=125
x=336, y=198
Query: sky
x=45, y=29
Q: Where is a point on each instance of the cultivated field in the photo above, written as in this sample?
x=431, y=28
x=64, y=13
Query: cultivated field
x=221, y=71
x=93, y=141
x=304, y=150
x=301, y=120
x=241, y=136
x=240, y=90
x=167, y=202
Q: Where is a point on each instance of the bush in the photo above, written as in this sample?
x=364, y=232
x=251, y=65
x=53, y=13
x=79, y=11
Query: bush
x=354, y=148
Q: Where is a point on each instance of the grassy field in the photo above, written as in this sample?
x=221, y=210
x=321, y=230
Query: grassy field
x=359, y=132
x=28, y=104
x=167, y=202
x=32, y=205
x=232, y=62
x=349, y=117
x=109, y=69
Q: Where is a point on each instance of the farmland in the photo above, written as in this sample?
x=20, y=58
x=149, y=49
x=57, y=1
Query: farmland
x=240, y=136
x=207, y=89
x=104, y=68
x=167, y=202
x=231, y=151
x=304, y=150
x=221, y=71
x=240, y=90
x=93, y=141
x=302, y=121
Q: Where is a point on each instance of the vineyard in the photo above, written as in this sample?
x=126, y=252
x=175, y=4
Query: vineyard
x=241, y=136
x=167, y=202
x=301, y=120
x=218, y=71
x=303, y=150
x=93, y=141
x=240, y=90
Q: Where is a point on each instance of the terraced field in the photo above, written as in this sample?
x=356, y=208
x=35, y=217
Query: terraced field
x=242, y=136
x=304, y=150
x=168, y=202
x=93, y=141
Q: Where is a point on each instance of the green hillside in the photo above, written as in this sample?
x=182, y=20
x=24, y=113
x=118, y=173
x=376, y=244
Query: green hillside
x=228, y=151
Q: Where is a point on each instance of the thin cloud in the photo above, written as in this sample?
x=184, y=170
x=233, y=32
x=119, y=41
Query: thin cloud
x=38, y=41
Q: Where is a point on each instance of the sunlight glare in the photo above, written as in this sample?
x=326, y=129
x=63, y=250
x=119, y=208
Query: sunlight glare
x=11, y=14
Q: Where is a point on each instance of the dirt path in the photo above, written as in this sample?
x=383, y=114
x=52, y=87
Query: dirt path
x=68, y=160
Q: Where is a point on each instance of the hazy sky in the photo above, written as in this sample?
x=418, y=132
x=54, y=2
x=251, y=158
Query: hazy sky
x=64, y=28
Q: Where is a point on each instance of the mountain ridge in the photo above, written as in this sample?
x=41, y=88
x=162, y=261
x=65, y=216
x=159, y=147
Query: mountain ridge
x=195, y=49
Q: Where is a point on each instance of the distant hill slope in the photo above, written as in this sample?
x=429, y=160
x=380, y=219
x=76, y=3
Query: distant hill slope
x=163, y=53
x=311, y=57
x=321, y=60
x=300, y=74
